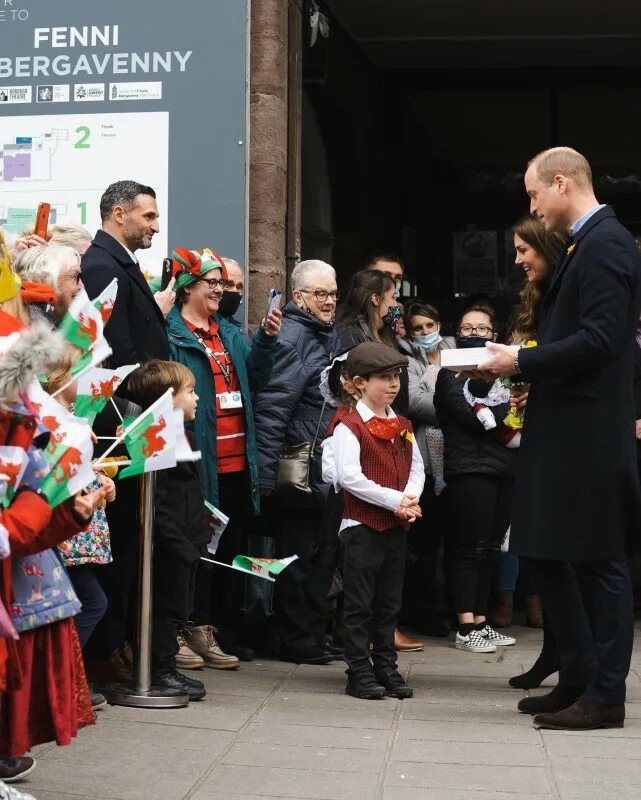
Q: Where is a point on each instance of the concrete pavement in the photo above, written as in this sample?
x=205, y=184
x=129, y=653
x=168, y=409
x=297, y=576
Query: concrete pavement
x=276, y=730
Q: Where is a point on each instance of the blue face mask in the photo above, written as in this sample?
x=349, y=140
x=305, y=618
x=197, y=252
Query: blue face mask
x=392, y=317
x=428, y=341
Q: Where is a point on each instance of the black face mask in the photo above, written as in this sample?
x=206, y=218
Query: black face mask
x=463, y=342
x=229, y=304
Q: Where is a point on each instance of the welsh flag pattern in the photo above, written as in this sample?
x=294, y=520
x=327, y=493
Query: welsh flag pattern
x=92, y=358
x=262, y=567
x=151, y=439
x=13, y=462
x=69, y=451
x=82, y=325
x=106, y=300
x=95, y=388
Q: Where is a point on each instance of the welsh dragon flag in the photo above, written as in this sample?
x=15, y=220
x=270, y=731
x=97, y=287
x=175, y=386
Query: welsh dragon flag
x=13, y=462
x=82, y=325
x=95, y=388
x=101, y=351
x=106, y=300
x=262, y=567
x=69, y=451
x=151, y=439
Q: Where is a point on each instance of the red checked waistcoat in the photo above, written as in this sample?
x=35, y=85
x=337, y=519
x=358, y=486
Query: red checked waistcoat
x=384, y=462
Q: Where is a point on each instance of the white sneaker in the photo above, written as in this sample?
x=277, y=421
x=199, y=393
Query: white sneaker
x=473, y=643
x=9, y=793
x=490, y=635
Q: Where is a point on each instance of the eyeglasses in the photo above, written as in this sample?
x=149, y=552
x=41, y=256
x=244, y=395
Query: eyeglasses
x=76, y=277
x=479, y=330
x=320, y=294
x=213, y=283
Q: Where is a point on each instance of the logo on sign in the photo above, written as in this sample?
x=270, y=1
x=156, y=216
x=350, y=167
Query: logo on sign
x=15, y=94
x=89, y=92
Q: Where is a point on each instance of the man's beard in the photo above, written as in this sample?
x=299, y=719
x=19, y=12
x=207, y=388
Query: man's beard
x=137, y=240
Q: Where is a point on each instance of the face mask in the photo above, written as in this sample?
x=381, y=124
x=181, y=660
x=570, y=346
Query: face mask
x=229, y=304
x=428, y=341
x=463, y=342
x=392, y=317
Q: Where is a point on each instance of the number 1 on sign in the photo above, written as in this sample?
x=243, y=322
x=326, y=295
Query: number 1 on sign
x=83, y=141
x=83, y=212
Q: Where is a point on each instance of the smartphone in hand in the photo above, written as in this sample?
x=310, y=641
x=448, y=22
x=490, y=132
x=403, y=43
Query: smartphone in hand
x=273, y=301
x=167, y=269
x=42, y=220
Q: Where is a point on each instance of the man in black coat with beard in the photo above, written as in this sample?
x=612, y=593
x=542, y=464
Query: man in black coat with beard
x=577, y=504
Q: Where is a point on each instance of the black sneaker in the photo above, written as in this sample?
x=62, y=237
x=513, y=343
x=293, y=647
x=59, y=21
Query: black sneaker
x=363, y=685
x=171, y=679
x=14, y=769
x=394, y=684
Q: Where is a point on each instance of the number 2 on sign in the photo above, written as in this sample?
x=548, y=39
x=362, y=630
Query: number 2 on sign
x=83, y=141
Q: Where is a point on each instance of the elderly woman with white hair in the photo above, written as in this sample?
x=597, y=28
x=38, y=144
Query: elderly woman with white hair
x=289, y=412
x=50, y=279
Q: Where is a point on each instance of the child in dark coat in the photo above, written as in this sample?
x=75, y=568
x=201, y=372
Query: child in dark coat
x=180, y=529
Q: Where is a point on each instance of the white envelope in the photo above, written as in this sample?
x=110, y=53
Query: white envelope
x=466, y=357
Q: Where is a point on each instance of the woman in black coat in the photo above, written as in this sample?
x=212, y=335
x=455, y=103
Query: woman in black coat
x=288, y=412
x=479, y=472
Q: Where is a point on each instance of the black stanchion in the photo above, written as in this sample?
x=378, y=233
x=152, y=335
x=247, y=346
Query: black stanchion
x=141, y=693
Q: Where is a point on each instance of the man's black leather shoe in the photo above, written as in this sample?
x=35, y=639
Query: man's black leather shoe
x=559, y=698
x=584, y=715
x=171, y=679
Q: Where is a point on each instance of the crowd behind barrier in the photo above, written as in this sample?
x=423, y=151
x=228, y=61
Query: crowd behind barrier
x=409, y=492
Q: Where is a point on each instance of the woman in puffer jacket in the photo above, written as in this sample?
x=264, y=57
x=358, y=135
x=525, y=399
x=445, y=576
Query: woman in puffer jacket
x=290, y=411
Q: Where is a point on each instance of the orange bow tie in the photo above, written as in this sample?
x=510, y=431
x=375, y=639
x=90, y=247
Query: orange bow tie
x=384, y=428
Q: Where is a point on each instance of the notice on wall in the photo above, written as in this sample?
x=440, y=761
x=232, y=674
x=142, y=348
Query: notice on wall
x=157, y=93
x=69, y=159
x=474, y=257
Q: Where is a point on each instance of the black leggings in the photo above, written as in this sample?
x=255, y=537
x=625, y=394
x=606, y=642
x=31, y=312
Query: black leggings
x=481, y=507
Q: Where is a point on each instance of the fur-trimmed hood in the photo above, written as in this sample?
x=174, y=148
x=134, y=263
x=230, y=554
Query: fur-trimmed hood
x=31, y=350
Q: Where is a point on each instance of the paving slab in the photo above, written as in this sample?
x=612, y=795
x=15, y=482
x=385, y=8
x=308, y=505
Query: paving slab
x=279, y=730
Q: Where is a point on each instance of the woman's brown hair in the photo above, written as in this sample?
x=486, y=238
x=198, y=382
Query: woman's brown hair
x=549, y=246
x=419, y=310
x=358, y=303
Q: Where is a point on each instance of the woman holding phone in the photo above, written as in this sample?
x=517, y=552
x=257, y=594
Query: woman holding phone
x=288, y=412
x=227, y=372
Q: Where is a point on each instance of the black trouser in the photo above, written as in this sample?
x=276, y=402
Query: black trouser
x=373, y=571
x=173, y=598
x=119, y=579
x=422, y=592
x=596, y=656
x=90, y=593
x=481, y=507
x=300, y=593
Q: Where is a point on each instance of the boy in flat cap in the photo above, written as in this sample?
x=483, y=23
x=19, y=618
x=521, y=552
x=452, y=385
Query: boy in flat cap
x=370, y=456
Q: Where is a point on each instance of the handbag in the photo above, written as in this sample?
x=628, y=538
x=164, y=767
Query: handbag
x=292, y=472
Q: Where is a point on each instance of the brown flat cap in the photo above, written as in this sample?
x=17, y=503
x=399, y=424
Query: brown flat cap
x=370, y=357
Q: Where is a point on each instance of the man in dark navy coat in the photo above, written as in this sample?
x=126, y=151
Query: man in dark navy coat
x=136, y=331
x=577, y=505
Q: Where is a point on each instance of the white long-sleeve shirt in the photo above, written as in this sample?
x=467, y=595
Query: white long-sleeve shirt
x=341, y=466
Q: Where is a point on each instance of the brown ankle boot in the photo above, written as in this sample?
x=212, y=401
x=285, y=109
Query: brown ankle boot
x=534, y=612
x=503, y=612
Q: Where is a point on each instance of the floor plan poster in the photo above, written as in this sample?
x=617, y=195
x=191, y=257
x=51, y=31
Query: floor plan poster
x=69, y=160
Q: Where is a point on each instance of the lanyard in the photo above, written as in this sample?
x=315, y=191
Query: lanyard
x=225, y=369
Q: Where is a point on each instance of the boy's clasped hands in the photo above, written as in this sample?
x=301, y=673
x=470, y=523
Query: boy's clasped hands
x=409, y=509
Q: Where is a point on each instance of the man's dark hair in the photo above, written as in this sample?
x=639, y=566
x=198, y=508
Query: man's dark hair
x=374, y=258
x=122, y=193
